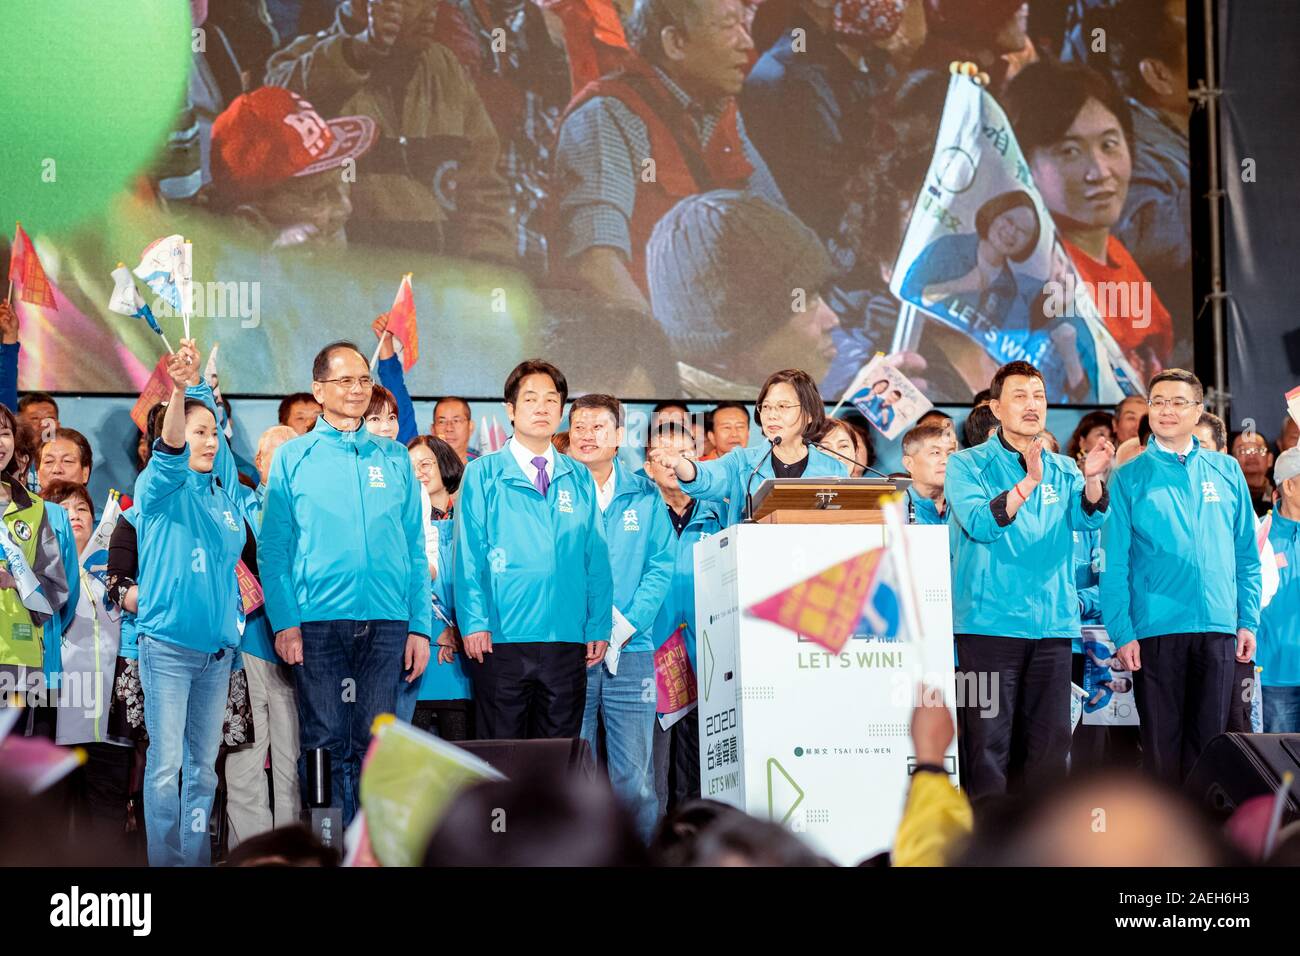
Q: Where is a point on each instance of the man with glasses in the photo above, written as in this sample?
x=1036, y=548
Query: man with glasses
x=453, y=422
x=1251, y=450
x=1180, y=579
x=344, y=571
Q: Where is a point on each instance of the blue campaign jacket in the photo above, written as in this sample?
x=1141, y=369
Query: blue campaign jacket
x=191, y=533
x=724, y=479
x=530, y=568
x=640, y=540
x=1179, y=547
x=342, y=534
x=1015, y=580
x=1279, y=624
x=445, y=681
x=921, y=510
x=679, y=605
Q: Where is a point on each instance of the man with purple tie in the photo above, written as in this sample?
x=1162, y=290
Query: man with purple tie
x=534, y=594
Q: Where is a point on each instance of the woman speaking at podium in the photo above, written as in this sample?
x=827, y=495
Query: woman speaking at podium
x=791, y=413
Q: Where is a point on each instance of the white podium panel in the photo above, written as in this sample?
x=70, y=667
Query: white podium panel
x=816, y=741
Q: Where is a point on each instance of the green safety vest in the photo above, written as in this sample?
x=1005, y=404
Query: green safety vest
x=21, y=639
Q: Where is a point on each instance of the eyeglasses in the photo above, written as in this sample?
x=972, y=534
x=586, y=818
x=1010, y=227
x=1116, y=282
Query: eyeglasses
x=1251, y=451
x=349, y=382
x=778, y=408
x=1177, y=404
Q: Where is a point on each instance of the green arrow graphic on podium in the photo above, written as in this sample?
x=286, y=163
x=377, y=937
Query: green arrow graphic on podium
x=706, y=663
x=775, y=786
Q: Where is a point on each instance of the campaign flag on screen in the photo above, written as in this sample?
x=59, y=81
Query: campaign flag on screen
x=675, y=685
x=981, y=255
x=155, y=390
x=163, y=268
x=127, y=299
x=402, y=324
x=408, y=779
x=27, y=274
x=826, y=607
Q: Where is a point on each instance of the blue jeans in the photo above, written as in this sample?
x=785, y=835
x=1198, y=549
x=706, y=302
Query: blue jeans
x=1281, y=709
x=347, y=678
x=626, y=705
x=185, y=694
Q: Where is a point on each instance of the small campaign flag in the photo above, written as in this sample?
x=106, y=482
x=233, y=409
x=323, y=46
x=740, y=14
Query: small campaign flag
x=250, y=592
x=27, y=274
x=155, y=390
x=402, y=323
x=126, y=300
x=210, y=375
x=166, y=266
x=675, y=685
x=1293, y=404
x=826, y=607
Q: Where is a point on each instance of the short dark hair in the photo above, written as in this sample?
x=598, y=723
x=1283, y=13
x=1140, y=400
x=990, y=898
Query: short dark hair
x=607, y=402
x=982, y=396
x=1137, y=30
x=1044, y=98
x=722, y=406
x=469, y=413
x=36, y=398
x=1119, y=406
x=287, y=403
x=810, y=399
x=1178, y=375
x=918, y=435
x=450, y=466
x=380, y=397
x=284, y=846
x=664, y=430
x=670, y=403
x=1007, y=371
x=1144, y=429
x=1218, y=427
x=1086, y=424
x=535, y=367
x=981, y=420
x=79, y=440
x=60, y=490
x=320, y=365
x=1005, y=202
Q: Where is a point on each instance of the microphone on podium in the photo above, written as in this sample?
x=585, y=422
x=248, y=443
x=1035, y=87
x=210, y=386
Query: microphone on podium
x=851, y=461
x=749, y=498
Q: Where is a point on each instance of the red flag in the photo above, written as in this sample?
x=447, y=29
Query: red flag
x=27, y=274
x=155, y=390
x=675, y=685
x=826, y=607
x=401, y=323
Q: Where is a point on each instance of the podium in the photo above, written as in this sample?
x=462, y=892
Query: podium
x=824, y=500
x=815, y=741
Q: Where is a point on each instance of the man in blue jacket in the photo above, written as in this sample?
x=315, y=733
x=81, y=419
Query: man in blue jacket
x=1012, y=511
x=926, y=449
x=344, y=571
x=532, y=578
x=1180, y=582
x=1279, y=625
x=640, y=540
x=677, y=750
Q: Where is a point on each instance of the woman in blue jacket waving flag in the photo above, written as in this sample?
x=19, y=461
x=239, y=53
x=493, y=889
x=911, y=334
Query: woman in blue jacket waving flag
x=191, y=534
x=790, y=412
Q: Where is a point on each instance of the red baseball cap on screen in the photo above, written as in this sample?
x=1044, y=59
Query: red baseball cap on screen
x=271, y=135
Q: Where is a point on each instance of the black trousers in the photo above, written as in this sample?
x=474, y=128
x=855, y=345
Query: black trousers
x=1013, y=711
x=530, y=690
x=448, y=719
x=1243, y=692
x=1184, y=692
x=677, y=762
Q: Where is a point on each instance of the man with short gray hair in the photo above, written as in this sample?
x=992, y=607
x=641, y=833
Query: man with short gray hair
x=634, y=143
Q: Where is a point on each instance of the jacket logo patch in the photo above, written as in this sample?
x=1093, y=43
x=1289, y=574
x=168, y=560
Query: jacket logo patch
x=377, y=477
x=564, y=502
x=1050, y=497
x=1209, y=492
x=230, y=521
x=23, y=530
x=497, y=560
x=630, y=521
